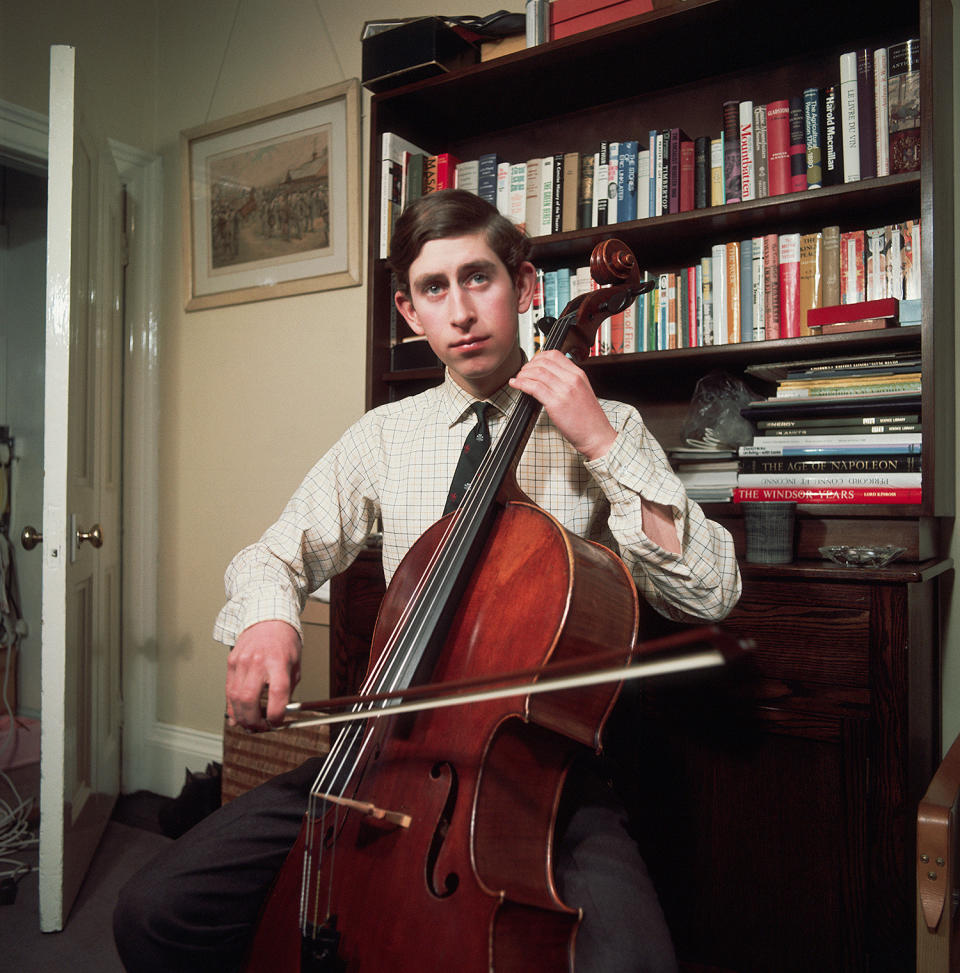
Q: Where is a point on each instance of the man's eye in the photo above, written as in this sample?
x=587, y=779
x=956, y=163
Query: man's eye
x=433, y=289
x=478, y=278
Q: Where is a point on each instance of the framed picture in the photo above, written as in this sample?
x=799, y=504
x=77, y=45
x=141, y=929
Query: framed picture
x=271, y=200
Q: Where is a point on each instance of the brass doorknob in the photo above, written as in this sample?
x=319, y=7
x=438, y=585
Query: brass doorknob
x=30, y=537
x=94, y=536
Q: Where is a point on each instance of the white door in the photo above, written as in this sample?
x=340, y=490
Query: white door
x=80, y=667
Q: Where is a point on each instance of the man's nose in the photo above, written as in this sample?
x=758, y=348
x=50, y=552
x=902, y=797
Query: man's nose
x=462, y=312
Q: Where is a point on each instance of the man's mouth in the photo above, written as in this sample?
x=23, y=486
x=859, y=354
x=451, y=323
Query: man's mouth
x=469, y=344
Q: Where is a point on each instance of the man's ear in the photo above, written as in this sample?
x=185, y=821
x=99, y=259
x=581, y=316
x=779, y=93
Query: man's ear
x=526, y=285
x=406, y=308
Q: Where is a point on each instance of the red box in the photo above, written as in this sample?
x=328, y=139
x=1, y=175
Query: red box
x=573, y=16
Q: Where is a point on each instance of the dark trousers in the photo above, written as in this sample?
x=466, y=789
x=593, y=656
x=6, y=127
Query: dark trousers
x=194, y=907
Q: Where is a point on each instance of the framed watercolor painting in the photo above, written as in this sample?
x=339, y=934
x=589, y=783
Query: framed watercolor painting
x=271, y=200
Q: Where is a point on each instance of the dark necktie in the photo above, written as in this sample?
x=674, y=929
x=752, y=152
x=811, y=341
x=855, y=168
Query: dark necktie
x=474, y=449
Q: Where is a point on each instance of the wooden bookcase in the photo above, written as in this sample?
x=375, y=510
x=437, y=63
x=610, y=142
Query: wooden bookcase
x=778, y=809
x=675, y=67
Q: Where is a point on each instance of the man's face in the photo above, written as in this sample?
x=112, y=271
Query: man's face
x=464, y=301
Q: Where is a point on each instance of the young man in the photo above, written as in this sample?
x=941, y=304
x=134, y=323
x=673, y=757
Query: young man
x=463, y=277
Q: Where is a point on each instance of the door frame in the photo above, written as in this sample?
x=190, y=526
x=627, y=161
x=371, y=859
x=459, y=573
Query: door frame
x=23, y=140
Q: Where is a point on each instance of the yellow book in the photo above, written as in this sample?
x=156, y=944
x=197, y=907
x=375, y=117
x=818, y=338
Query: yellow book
x=811, y=276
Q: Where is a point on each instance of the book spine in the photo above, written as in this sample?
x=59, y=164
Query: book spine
x=828, y=495
x=811, y=276
x=643, y=183
x=706, y=292
x=518, y=194
x=746, y=290
x=718, y=255
x=832, y=137
x=585, y=207
x=866, y=114
x=771, y=286
x=717, y=183
x=487, y=177
x=778, y=147
x=467, y=176
x=627, y=182
x=687, y=175
x=789, y=259
x=446, y=171
x=758, y=279
x=601, y=178
x=503, y=188
x=875, y=258
x=546, y=195
x=813, y=133
x=731, y=151
x=733, y=292
x=701, y=172
x=760, y=150
x=613, y=183
x=663, y=172
x=831, y=266
x=844, y=439
x=748, y=177
x=910, y=259
x=881, y=121
x=849, y=119
x=780, y=465
x=800, y=447
x=571, y=191
x=851, y=267
x=829, y=479
x=798, y=147
x=903, y=105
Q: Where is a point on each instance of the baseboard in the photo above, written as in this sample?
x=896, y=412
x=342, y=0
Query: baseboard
x=168, y=752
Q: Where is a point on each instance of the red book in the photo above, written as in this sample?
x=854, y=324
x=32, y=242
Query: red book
x=790, y=285
x=801, y=494
x=447, y=171
x=887, y=307
x=778, y=147
x=692, y=305
x=686, y=176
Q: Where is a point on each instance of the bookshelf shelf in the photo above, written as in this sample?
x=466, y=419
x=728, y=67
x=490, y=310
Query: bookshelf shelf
x=823, y=749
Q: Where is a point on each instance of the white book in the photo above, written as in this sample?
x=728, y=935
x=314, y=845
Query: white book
x=719, y=280
x=846, y=439
x=830, y=479
x=759, y=324
x=630, y=329
x=468, y=176
x=658, y=176
x=503, y=188
x=881, y=102
x=849, y=118
x=532, y=205
x=613, y=182
x=392, y=151
x=643, y=184
x=518, y=194
x=546, y=196
x=748, y=175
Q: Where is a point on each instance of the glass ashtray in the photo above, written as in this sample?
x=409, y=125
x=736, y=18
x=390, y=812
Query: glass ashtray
x=862, y=557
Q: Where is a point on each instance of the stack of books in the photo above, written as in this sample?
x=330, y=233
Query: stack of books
x=837, y=431
x=709, y=475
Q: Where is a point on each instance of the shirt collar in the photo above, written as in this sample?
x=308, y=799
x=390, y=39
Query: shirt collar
x=457, y=401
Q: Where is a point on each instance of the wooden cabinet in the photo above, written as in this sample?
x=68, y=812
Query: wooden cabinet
x=778, y=804
x=675, y=67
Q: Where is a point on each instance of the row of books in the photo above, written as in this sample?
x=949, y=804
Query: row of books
x=774, y=286
x=865, y=125
x=836, y=431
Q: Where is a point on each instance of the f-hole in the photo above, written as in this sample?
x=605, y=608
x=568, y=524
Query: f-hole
x=452, y=879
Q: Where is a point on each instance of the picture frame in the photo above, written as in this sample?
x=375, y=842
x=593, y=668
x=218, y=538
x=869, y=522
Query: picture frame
x=271, y=200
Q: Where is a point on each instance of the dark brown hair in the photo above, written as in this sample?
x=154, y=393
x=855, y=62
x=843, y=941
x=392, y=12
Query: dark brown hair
x=451, y=213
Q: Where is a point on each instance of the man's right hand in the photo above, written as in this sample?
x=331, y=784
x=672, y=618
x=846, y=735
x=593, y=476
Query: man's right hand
x=265, y=654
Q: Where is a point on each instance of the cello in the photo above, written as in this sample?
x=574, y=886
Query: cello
x=427, y=841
